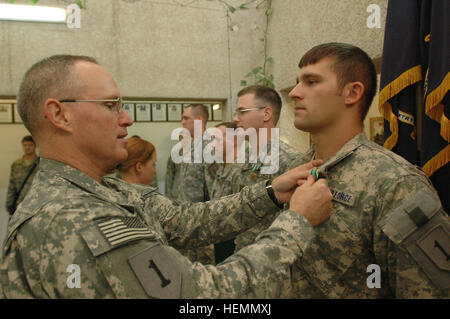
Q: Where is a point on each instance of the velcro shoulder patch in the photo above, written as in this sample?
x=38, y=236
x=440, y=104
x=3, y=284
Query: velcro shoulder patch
x=157, y=272
x=410, y=216
x=112, y=232
x=423, y=230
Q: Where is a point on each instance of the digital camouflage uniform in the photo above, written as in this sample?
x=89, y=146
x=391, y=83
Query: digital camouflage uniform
x=220, y=185
x=250, y=173
x=118, y=236
x=155, y=183
x=373, y=221
x=19, y=171
x=171, y=172
x=189, y=185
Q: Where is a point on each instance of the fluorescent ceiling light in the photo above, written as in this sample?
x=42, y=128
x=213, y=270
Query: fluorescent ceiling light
x=18, y=12
x=216, y=107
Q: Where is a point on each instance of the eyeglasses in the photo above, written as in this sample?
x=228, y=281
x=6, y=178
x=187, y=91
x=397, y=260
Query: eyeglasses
x=112, y=104
x=240, y=112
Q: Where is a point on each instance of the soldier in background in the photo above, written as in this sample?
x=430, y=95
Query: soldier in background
x=171, y=170
x=219, y=181
x=22, y=173
x=259, y=107
x=80, y=235
x=187, y=181
x=140, y=165
x=387, y=218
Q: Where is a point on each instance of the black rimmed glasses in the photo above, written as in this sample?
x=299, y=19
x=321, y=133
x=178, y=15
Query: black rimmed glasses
x=240, y=112
x=112, y=104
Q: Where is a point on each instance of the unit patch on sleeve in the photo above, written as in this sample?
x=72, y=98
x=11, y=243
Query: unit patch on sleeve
x=157, y=272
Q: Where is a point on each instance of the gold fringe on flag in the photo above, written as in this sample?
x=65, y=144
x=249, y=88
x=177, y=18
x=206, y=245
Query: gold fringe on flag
x=392, y=140
x=435, y=109
x=407, y=78
x=439, y=160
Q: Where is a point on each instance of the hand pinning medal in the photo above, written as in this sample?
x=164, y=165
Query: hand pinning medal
x=317, y=174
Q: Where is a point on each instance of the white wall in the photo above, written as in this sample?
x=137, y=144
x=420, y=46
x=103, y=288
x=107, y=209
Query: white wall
x=154, y=49
x=298, y=25
x=162, y=49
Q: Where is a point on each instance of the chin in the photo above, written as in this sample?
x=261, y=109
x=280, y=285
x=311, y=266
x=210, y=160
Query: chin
x=302, y=127
x=121, y=156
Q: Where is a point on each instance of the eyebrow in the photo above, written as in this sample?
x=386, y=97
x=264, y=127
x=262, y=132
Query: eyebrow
x=310, y=75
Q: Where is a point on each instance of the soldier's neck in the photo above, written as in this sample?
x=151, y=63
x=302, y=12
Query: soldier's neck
x=129, y=177
x=262, y=142
x=328, y=143
x=29, y=158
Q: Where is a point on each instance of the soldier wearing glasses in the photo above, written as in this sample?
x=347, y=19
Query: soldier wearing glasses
x=259, y=107
x=115, y=236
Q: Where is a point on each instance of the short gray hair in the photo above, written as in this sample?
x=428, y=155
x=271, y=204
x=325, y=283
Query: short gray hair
x=45, y=79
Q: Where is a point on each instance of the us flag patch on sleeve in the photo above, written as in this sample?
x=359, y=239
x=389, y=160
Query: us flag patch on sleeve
x=119, y=230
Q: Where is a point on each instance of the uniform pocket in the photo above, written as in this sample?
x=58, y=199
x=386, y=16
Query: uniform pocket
x=336, y=246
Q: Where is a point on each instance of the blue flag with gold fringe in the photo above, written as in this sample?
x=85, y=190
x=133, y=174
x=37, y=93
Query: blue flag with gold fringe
x=416, y=52
x=435, y=48
x=400, y=71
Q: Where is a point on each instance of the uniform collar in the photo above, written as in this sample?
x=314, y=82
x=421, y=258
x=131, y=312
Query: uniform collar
x=343, y=152
x=50, y=167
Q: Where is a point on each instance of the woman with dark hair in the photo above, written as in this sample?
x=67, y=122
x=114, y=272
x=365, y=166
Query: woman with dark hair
x=140, y=166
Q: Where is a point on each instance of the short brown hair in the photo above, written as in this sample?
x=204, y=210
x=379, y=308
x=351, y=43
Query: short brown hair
x=139, y=151
x=267, y=95
x=200, y=110
x=47, y=78
x=351, y=64
x=28, y=138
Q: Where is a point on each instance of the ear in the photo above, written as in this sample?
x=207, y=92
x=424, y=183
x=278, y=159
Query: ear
x=353, y=92
x=58, y=114
x=138, y=167
x=267, y=114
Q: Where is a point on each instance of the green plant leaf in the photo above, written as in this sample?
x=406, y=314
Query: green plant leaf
x=257, y=69
x=269, y=11
x=33, y=1
x=11, y=1
x=243, y=7
x=249, y=74
x=269, y=59
x=243, y=83
x=232, y=9
x=80, y=4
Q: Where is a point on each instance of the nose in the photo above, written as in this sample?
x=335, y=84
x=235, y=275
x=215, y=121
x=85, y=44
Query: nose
x=296, y=91
x=124, y=118
x=236, y=118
